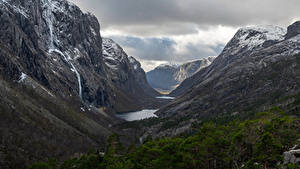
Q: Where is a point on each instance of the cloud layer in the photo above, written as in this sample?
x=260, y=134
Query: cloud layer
x=166, y=30
x=177, y=16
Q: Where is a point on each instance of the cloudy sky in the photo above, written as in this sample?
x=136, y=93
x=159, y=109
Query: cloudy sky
x=176, y=31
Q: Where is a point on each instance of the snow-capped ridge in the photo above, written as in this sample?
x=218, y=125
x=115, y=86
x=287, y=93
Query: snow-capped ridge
x=269, y=31
x=252, y=37
x=174, y=65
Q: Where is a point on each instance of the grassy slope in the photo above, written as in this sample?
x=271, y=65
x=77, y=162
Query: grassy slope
x=35, y=126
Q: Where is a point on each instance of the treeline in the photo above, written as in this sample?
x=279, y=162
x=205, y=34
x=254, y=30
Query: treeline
x=254, y=143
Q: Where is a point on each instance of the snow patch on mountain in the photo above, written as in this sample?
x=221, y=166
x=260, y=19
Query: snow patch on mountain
x=249, y=38
x=22, y=77
x=264, y=34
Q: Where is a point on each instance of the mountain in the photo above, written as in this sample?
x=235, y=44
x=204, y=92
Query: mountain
x=258, y=69
x=245, y=41
x=127, y=76
x=167, y=77
x=58, y=86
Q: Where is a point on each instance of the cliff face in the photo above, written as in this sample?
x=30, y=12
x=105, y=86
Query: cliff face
x=57, y=45
x=61, y=48
x=56, y=86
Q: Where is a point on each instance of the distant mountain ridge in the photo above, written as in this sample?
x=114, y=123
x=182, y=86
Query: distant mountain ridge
x=168, y=76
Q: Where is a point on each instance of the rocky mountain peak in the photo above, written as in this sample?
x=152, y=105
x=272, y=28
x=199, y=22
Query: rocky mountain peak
x=116, y=59
x=250, y=38
x=113, y=54
x=293, y=30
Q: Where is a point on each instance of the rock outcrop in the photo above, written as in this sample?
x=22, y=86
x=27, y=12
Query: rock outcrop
x=292, y=156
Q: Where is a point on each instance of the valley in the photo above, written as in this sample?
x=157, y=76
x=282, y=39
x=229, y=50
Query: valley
x=71, y=98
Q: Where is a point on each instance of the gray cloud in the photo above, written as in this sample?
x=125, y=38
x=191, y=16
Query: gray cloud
x=148, y=48
x=154, y=51
x=164, y=15
x=164, y=49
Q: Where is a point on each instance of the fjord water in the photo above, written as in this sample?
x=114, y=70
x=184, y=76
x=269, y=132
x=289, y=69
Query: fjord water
x=165, y=97
x=138, y=115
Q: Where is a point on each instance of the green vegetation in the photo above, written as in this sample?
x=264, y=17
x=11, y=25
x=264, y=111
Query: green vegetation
x=257, y=142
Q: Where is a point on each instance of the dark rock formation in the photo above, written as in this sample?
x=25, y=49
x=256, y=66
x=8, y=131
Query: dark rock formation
x=292, y=155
